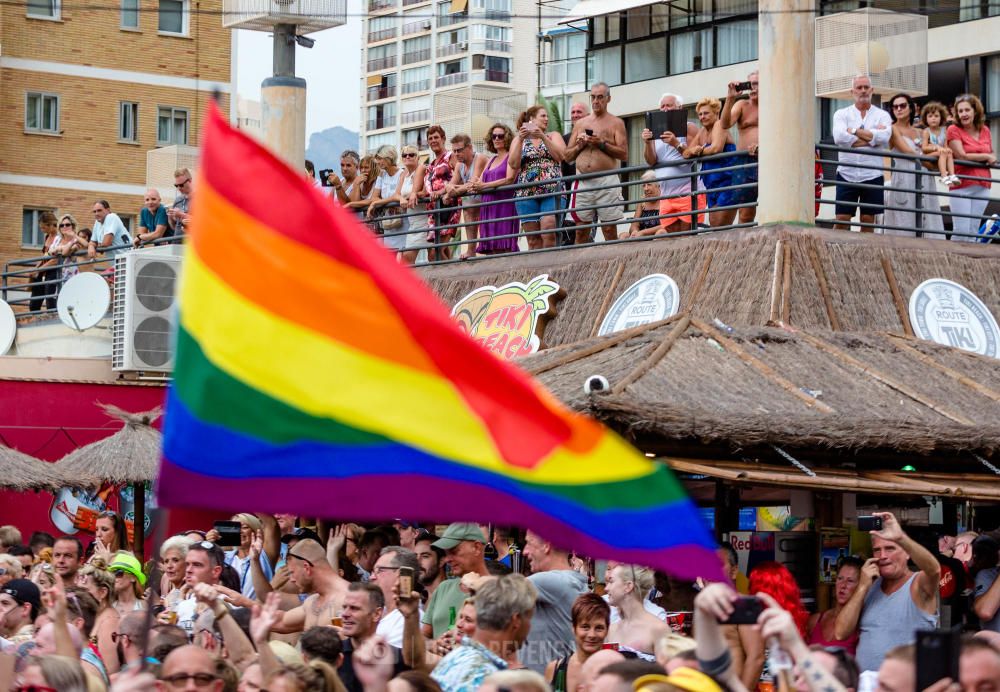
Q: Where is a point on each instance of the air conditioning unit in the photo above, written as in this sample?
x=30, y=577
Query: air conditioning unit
x=427, y=25
x=144, y=318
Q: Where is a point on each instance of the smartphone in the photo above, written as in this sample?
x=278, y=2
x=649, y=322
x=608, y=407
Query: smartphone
x=324, y=176
x=229, y=533
x=746, y=610
x=743, y=86
x=870, y=524
x=588, y=132
x=405, y=581
x=937, y=656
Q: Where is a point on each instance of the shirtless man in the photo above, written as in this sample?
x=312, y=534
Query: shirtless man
x=597, y=144
x=309, y=569
x=745, y=114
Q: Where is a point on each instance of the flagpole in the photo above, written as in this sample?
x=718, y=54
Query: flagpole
x=161, y=517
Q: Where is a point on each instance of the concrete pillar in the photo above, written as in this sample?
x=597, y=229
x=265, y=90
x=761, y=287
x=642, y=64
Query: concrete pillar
x=787, y=111
x=283, y=102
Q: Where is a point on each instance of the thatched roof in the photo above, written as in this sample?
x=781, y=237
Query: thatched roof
x=685, y=387
x=19, y=471
x=131, y=455
x=808, y=277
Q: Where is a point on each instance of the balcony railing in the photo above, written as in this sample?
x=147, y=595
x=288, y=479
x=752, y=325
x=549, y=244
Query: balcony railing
x=407, y=3
x=381, y=92
x=419, y=85
x=497, y=76
x=498, y=15
x=381, y=35
x=454, y=78
x=449, y=19
x=376, y=5
x=560, y=72
x=418, y=143
x=416, y=56
x=452, y=49
x=498, y=46
x=381, y=63
x=416, y=27
x=415, y=116
x=379, y=123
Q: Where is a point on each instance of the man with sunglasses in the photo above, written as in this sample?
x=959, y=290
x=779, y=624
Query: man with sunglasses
x=177, y=215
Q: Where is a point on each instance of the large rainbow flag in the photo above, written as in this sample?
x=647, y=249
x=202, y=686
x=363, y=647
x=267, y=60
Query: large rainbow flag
x=316, y=375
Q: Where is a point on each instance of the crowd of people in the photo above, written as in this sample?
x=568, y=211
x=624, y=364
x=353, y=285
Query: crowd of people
x=285, y=606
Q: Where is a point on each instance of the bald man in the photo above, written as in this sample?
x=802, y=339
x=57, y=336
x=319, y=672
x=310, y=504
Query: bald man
x=592, y=667
x=189, y=668
x=152, y=219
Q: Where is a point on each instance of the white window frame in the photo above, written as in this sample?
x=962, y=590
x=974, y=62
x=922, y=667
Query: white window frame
x=121, y=16
x=41, y=95
x=187, y=132
x=56, y=15
x=185, y=19
x=132, y=108
x=36, y=233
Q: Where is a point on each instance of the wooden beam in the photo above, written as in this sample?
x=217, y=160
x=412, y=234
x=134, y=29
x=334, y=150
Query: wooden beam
x=897, y=297
x=786, y=285
x=655, y=356
x=979, y=388
x=824, y=288
x=760, y=366
x=608, y=297
x=779, y=253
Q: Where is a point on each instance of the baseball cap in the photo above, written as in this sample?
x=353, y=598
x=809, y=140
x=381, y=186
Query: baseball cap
x=24, y=591
x=125, y=562
x=309, y=550
x=300, y=533
x=682, y=678
x=458, y=532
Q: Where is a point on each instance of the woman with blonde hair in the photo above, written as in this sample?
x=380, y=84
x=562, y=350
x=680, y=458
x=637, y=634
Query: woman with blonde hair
x=413, y=202
x=626, y=587
x=100, y=583
x=315, y=676
x=714, y=139
x=172, y=555
x=70, y=245
x=367, y=175
x=384, y=194
x=645, y=219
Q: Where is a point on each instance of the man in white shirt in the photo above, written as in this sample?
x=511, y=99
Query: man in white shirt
x=109, y=231
x=385, y=575
x=864, y=127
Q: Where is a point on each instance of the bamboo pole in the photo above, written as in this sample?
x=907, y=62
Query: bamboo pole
x=786, y=285
x=655, y=356
x=779, y=251
x=608, y=296
x=897, y=297
x=824, y=287
x=699, y=282
x=954, y=374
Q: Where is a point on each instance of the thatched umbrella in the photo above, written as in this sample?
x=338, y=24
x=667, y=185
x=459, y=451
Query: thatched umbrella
x=131, y=455
x=20, y=471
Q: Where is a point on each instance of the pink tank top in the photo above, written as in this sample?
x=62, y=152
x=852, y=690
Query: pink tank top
x=816, y=637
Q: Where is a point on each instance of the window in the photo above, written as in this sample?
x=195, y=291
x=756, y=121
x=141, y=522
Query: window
x=605, y=65
x=173, y=17
x=645, y=60
x=31, y=234
x=373, y=142
x=691, y=51
x=737, y=42
x=130, y=14
x=171, y=126
x=416, y=79
x=41, y=113
x=43, y=9
x=416, y=137
x=991, y=73
x=128, y=121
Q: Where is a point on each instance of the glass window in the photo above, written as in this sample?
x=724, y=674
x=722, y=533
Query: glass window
x=605, y=65
x=373, y=142
x=691, y=51
x=31, y=234
x=385, y=51
x=130, y=14
x=43, y=9
x=737, y=42
x=991, y=79
x=173, y=17
x=453, y=67
x=637, y=22
x=128, y=121
x=41, y=112
x=417, y=137
x=645, y=60
x=171, y=126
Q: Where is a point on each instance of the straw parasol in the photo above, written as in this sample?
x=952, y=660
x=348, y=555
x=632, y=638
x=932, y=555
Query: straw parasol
x=19, y=471
x=131, y=455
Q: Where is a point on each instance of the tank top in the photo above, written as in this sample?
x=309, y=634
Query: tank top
x=537, y=165
x=888, y=621
x=940, y=139
x=816, y=637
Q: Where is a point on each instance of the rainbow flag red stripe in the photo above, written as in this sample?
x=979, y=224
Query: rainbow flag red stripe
x=316, y=375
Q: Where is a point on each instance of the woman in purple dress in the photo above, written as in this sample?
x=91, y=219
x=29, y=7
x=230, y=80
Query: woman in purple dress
x=490, y=174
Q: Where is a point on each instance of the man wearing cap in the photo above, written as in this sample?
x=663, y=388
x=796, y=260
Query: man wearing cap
x=558, y=585
x=463, y=545
x=129, y=583
x=20, y=602
x=310, y=571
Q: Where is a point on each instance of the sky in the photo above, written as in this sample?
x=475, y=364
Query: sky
x=331, y=68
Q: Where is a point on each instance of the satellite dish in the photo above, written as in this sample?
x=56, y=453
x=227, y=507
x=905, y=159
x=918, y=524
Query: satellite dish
x=83, y=301
x=8, y=327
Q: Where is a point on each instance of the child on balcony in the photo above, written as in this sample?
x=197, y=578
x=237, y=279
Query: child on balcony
x=935, y=144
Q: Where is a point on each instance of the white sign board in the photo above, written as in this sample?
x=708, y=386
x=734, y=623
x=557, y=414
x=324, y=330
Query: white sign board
x=650, y=299
x=950, y=314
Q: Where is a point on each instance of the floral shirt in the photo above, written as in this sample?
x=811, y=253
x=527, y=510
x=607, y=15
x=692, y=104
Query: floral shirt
x=465, y=668
x=537, y=165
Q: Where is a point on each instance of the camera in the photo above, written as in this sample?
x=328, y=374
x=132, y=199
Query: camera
x=588, y=132
x=744, y=86
x=596, y=384
x=324, y=176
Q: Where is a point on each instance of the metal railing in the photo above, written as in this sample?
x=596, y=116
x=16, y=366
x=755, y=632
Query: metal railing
x=419, y=85
x=453, y=78
x=379, y=123
x=449, y=19
x=559, y=72
x=497, y=46
x=416, y=27
x=415, y=116
x=376, y=5
x=416, y=56
x=452, y=49
x=381, y=63
x=381, y=92
x=496, y=75
x=381, y=35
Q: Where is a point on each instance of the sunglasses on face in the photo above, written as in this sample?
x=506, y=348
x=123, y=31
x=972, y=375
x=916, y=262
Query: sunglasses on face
x=66, y=225
x=180, y=185
x=498, y=136
x=408, y=156
x=899, y=106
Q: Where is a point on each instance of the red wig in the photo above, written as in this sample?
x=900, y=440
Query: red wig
x=776, y=581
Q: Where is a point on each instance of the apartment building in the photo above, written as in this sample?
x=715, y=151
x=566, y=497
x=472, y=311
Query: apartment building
x=460, y=63
x=86, y=90
x=696, y=47
x=562, y=73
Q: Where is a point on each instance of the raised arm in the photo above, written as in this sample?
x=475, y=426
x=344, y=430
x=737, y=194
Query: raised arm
x=847, y=619
x=777, y=624
x=713, y=604
x=732, y=108
x=929, y=578
x=262, y=623
x=514, y=157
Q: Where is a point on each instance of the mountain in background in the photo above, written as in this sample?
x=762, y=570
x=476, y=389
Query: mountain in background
x=325, y=147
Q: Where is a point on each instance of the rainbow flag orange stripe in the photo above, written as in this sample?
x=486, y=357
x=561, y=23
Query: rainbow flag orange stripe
x=316, y=375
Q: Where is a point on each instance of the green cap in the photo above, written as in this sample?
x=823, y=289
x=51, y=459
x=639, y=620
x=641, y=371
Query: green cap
x=126, y=562
x=458, y=532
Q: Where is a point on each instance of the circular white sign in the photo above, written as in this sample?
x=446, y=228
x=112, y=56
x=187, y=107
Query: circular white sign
x=650, y=299
x=950, y=314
